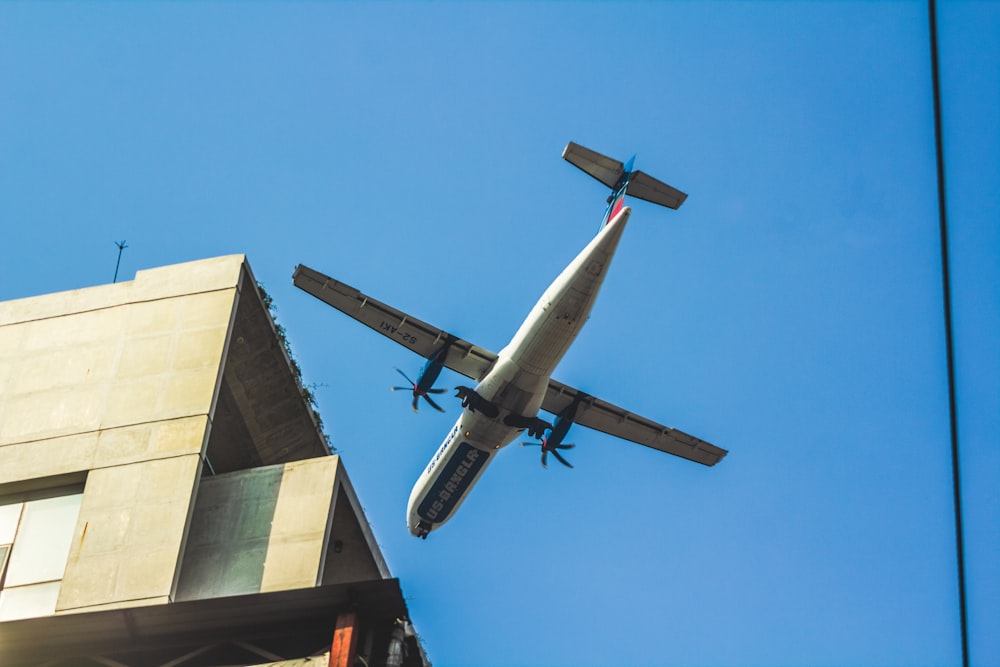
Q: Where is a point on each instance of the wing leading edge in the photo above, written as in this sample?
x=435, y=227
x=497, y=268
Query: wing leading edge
x=474, y=362
x=426, y=340
x=613, y=420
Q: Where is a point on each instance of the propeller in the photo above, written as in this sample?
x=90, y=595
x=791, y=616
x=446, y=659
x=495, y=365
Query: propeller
x=553, y=441
x=418, y=392
x=548, y=446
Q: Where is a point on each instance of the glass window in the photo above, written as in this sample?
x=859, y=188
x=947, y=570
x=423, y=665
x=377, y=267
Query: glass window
x=35, y=538
x=29, y=601
x=43, y=538
x=9, y=517
x=4, y=550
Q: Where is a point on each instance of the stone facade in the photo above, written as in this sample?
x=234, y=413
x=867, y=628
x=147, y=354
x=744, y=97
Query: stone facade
x=167, y=401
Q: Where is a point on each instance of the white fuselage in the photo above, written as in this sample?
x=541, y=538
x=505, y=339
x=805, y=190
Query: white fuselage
x=516, y=383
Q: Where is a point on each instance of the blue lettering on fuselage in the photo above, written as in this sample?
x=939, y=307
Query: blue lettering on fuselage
x=440, y=452
x=453, y=482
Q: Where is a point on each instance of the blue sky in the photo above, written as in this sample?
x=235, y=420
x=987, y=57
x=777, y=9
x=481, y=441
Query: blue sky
x=790, y=311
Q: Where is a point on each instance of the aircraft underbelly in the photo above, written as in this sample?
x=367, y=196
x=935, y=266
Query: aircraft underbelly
x=556, y=327
x=454, y=470
x=515, y=385
x=557, y=318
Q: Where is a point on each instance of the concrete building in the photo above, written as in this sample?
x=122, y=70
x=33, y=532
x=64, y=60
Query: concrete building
x=166, y=495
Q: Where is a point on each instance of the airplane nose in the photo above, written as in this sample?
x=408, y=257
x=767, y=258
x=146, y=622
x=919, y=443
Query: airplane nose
x=421, y=529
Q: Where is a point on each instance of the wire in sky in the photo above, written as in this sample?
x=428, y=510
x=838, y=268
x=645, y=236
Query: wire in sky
x=949, y=339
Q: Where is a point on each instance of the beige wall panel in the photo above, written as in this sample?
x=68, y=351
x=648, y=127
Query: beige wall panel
x=145, y=356
x=6, y=369
x=134, y=401
x=159, y=283
x=97, y=449
x=153, y=440
x=88, y=580
x=305, y=499
x=128, y=444
x=130, y=532
x=301, y=520
x=291, y=565
x=112, y=487
x=47, y=458
x=192, y=343
x=10, y=339
x=310, y=478
x=64, y=367
x=10, y=352
x=202, y=349
x=52, y=413
x=147, y=573
x=193, y=277
x=189, y=393
x=169, y=480
x=149, y=318
x=300, y=517
x=180, y=436
x=62, y=303
x=96, y=326
x=103, y=531
x=170, y=373
x=207, y=309
x=166, y=396
x=79, y=373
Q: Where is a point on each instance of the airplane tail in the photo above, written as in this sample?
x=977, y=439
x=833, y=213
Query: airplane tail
x=622, y=180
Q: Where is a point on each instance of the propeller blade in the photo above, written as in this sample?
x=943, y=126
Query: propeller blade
x=412, y=383
x=400, y=388
x=433, y=404
x=545, y=454
x=563, y=461
x=415, y=399
x=436, y=391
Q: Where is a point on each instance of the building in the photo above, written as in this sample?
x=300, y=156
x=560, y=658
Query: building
x=166, y=494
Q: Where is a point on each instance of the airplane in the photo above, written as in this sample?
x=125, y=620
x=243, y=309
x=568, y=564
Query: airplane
x=513, y=385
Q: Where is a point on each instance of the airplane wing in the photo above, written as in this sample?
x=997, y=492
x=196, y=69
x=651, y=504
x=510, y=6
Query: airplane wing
x=426, y=340
x=474, y=362
x=607, y=418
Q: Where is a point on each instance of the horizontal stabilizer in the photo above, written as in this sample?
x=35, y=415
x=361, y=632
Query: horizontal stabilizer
x=610, y=172
x=601, y=167
x=643, y=186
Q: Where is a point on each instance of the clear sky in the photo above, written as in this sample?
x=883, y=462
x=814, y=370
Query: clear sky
x=790, y=311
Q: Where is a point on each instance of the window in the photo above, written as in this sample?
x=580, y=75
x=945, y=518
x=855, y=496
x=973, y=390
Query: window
x=4, y=550
x=35, y=537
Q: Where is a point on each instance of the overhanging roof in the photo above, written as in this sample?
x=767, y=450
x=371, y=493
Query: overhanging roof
x=306, y=616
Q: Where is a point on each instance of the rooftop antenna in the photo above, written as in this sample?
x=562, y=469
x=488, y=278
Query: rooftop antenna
x=121, y=246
